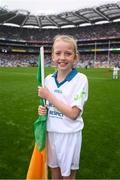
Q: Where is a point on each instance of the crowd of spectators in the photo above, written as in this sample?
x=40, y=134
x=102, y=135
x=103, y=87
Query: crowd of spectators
x=20, y=60
x=89, y=60
x=109, y=30
x=104, y=31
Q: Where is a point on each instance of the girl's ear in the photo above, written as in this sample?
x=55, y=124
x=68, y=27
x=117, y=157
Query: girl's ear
x=77, y=57
x=53, y=61
x=52, y=57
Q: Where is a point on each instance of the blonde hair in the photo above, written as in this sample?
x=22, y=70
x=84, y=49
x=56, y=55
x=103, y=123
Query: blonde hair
x=67, y=38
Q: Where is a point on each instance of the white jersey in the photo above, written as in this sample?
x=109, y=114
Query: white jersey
x=72, y=91
x=115, y=70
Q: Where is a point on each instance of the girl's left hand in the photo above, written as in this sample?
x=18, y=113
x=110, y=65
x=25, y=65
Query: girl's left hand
x=42, y=110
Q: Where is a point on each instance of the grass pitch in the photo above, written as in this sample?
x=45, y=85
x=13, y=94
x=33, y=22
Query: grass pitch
x=100, y=155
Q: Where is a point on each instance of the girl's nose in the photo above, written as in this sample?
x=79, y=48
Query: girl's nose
x=62, y=56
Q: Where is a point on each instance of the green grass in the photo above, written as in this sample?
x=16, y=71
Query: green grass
x=100, y=155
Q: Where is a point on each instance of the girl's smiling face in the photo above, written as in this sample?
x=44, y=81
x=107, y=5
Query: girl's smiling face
x=63, y=55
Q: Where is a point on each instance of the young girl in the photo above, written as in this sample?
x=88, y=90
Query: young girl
x=66, y=91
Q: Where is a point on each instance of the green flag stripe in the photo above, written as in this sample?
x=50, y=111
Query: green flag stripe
x=40, y=123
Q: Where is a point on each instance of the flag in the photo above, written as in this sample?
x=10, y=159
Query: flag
x=38, y=164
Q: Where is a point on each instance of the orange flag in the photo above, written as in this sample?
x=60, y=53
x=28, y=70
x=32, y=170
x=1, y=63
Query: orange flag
x=38, y=165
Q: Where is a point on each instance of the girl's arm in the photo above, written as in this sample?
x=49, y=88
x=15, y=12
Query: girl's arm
x=71, y=112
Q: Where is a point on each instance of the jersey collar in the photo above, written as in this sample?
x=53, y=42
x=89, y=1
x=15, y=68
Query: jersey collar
x=69, y=77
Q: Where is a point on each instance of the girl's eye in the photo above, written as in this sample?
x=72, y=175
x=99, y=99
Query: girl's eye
x=57, y=53
x=68, y=53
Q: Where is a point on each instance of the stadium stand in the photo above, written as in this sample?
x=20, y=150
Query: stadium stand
x=99, y=44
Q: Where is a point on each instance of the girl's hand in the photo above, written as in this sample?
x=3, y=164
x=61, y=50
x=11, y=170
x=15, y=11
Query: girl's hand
x=42, y=110
x=43, y=93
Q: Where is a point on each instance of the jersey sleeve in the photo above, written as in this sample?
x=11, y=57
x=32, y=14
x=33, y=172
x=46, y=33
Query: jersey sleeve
x=47, y=79
x=80, y=94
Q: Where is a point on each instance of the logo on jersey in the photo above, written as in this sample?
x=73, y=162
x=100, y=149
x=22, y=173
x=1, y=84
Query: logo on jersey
x=79, y=96
x=54, y=112
x=58, y=91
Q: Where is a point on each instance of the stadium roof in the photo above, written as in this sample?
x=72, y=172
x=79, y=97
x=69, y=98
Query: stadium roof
x=22, y=18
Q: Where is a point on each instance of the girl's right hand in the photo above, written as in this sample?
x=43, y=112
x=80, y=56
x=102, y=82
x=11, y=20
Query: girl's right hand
x=42, y=110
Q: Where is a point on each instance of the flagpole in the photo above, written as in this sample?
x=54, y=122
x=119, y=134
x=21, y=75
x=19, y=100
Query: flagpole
x=42, y=65
x=42, y=69
x=43, y=84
